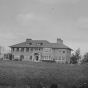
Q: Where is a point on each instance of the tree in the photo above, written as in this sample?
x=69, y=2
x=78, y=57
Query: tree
x=2, y=51
x=75, y=57
x=77, y=54
x=85, y=58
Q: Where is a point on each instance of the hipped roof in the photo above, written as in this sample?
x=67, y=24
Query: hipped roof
x=45, y=44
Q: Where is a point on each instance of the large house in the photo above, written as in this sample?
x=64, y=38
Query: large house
x=41, y=50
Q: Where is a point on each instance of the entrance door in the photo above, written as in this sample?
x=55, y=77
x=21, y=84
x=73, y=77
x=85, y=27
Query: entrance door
x=36, y=56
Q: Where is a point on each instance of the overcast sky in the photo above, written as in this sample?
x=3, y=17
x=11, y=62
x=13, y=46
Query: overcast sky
x=44, y=19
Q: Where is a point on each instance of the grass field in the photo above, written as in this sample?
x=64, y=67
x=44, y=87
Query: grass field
x=20, y=74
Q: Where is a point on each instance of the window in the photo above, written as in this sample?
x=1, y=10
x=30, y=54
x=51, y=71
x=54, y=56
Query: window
x=47, y=50
x=63, y=51
x=46, y=57
x=28, y=43
x=30, y=57
x=63, y=58
x=39, y=44
x=56, y=58
x=59, y=51
x=37, y=49
x=43, y=57
x=16, y=57
x=49, y=57
x=12, y=56
x=68, y=51
x=21, y=57
x=30, y=49
x=27, y=49
x=59, y=58
x=22, y=49
x=12, y=49
x=17, y=49
x=26, y=57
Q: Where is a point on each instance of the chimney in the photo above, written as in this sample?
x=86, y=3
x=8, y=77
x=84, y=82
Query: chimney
x=59, y=41
x=27, y=40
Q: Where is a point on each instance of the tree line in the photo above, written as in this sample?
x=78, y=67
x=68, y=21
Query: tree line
x=78, y=58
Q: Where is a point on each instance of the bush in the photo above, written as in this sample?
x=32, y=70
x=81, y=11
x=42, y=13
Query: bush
x=85, y=58
x=73, y=59
x=51, y=61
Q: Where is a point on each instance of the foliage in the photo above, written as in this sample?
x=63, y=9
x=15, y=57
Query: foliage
x=75, y=57
x=77, y=54
x=85, y=58
x=2, y=49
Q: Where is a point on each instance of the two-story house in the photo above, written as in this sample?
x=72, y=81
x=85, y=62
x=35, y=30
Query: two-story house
x=41, y=50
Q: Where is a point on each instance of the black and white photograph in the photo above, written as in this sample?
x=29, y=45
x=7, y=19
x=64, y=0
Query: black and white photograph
x=43, y=43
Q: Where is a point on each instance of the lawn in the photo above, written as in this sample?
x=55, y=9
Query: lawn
x=25, y=73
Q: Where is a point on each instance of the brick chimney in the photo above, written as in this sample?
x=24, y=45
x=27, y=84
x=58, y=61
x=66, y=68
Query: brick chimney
x=59, y=41
x=27, y=40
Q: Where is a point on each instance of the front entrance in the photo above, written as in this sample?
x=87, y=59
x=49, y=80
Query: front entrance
x=36, y=55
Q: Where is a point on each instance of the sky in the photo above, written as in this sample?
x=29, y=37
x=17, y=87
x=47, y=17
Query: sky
x=44, y=20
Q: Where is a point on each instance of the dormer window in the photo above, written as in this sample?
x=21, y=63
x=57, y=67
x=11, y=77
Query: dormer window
x=39, y=44
x=28, y=43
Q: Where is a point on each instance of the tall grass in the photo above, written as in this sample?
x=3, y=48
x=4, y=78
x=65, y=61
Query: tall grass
x=22, y=74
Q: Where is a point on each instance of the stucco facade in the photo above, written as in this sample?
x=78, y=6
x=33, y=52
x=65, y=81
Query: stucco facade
x=41, y=51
